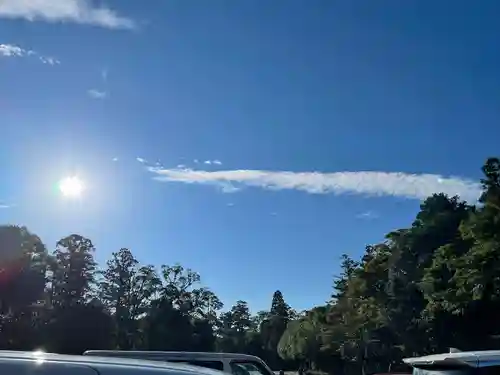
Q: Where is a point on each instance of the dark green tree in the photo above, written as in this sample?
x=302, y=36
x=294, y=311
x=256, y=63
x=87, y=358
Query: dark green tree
x=182, y=316
x=23, y=265
x=273, y=327
x=235, y=326
x=127, y=290
x=73, y=271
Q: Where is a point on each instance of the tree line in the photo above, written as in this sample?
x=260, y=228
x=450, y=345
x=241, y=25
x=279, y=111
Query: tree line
x=424, y=289
x=61, y=301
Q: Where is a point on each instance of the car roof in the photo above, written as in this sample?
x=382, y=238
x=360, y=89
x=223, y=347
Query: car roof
x=474, y=359
x=193, y=355
x=98, y=362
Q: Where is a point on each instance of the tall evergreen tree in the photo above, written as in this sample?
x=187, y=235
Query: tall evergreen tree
x=279, y=307
x=73, y=273
x=127, y=290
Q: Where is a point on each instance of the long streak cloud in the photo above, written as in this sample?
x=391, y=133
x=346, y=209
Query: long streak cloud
x=368, y=183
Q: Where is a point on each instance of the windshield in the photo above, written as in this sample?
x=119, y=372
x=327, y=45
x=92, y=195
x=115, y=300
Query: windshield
x=248, y=368
x=443, y=371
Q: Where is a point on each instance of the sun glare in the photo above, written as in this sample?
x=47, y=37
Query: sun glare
x=71, y=187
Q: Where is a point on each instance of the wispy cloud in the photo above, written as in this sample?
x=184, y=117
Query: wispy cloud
x=96, y=94
x=5, y=205
x=412, y=186
x=11, y=50
x=114, y=159
x=104, y=75
x=227, y=187
x=210, y=162
x=100, y=94
x=368, y=215
x=75, y=11
x=49, y=60
x=140, y=160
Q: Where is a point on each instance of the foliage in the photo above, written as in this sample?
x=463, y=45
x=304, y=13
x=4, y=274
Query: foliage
x=126, y=290
x=72, y=271
x=23, y=262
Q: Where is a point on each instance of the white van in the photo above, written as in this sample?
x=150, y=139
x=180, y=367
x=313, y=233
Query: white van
x=40, y=363
x=234, y=363
x=484, y=362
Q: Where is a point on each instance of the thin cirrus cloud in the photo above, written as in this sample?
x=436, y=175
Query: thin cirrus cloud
x=368, y=183
x=368, y=215
x=11, y=50
x=104, y=75
x=70, y=11
x=97, y=94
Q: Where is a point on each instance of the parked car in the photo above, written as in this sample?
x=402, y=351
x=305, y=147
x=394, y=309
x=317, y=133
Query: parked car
x=39, y=363
x=234, y=363
x=486, y=362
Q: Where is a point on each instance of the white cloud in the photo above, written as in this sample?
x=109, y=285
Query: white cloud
x=368, y=215
x=11, y=50
x=412, y=186
x=49, y=60
x=210, y=162
x=5, y=205
x=115, y=159
x=76, y=11
x=228, y=188
x=140, y=160
x=96, y=94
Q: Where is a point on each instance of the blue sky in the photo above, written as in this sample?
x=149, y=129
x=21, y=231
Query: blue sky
x=331, y=120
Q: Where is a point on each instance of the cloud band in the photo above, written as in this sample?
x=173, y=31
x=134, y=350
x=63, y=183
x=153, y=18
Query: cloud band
x=370, y=183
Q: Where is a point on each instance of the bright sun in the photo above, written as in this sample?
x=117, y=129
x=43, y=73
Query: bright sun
x=71, y=187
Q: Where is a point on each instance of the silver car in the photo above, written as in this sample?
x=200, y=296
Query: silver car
x=40, y=363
